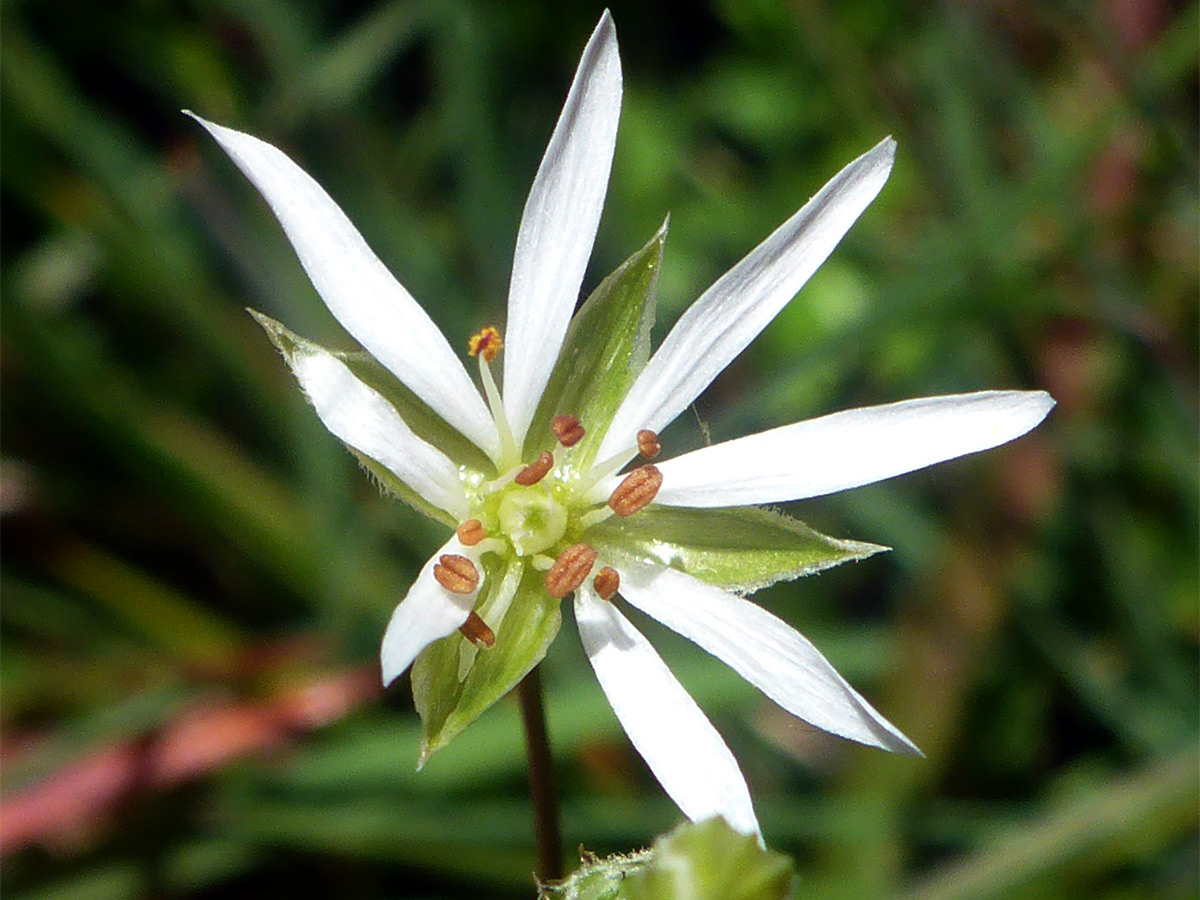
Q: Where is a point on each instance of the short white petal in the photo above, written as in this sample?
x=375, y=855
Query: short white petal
x=427, y=613
x=743, y=301
x=763, y=649
x=359, y=416
x=680, y=745
x=559, y=225
x=848, y=449
x=358, y=289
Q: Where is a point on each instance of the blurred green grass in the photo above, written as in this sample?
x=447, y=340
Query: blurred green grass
x=181, y=536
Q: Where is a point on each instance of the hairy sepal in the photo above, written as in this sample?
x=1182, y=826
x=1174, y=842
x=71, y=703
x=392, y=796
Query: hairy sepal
x=740, y=548
x=606, y=346
x=417, y=415
x=455, y=682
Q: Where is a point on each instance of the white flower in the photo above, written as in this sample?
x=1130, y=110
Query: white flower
x=533, y=527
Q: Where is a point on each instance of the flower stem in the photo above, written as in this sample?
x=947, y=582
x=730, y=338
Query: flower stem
x=546, y=829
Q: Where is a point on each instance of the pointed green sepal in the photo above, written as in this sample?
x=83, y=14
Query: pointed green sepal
x=740, y=548
x=606, y=346
x=432, y=428
x=710, y=861
x=454, y=681
x=417, y=415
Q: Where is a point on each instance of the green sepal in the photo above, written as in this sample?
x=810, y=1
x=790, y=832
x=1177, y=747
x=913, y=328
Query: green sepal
x=454, y=682
x=416, y=413
x=740, y=548
x=605, y=349
x=710, y=861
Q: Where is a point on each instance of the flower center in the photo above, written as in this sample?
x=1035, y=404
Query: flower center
x=540, y=511
x=531, y=519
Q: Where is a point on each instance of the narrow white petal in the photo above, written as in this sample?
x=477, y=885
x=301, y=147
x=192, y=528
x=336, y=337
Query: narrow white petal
x=680, y=745
x=763, y=649
x=743, y=301
x=848, y=449
x=358, y=289
x=427, y=613
x=559, y=225
x=361, y=417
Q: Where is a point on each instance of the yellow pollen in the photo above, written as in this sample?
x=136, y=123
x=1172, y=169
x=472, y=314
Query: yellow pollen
x=486, y=343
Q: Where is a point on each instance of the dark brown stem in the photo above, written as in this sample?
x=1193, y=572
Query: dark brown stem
x=546, y=829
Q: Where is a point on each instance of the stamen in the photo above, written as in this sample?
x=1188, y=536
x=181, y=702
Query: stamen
x=476, y=631
x=594, y=517
x=486, y=343
x=542, y=563
x=570, y=570
x=471, y=532
x=602, y=470
x=486, y=348
x=637, y=489
x=535, y=471
x=457, y=574
x=606, y=582
x=496, y=484
x=648, y=444
x=568, y=430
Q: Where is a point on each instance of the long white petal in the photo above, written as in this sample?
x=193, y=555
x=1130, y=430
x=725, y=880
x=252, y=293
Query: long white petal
x=743, y=301
x=683, y=750
x=559, y=225
x=427, y=613
x=358, y=289
x=763, y=649
x=848, y=449
x=362, y=418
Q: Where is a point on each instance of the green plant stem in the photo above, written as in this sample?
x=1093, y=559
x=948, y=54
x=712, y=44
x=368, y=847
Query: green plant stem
x=546, y=827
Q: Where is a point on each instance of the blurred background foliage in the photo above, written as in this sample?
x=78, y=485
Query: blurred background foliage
x=196, y=575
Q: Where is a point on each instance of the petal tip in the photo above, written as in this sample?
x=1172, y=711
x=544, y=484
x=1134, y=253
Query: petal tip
x=884, y=153
x=386, y=675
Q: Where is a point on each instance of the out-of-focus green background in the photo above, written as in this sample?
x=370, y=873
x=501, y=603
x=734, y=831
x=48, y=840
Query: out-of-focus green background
x=196, y=576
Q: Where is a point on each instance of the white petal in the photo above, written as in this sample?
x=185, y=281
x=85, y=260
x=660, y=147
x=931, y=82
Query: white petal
x=427, y=613
x=848, y=449
x=763, y=649
x=360, y=292
x=559, y=225
x=683, y=750
x=743, y=301
x=362, y=418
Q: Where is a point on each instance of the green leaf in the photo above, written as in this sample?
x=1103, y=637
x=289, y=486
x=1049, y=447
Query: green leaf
x=596, y=879
x=710, y=861
x=606, y=347
x=741, y=548
x=454, y=682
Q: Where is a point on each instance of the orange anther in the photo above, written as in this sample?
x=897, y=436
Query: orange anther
x=457, y=574
x=637, y=490
x=476, y=631
x=606, y=582
x=535, y=471
x=471, y=532
x=568, y=430
x=648, y=444
x=486, y=343
x=570, y=570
